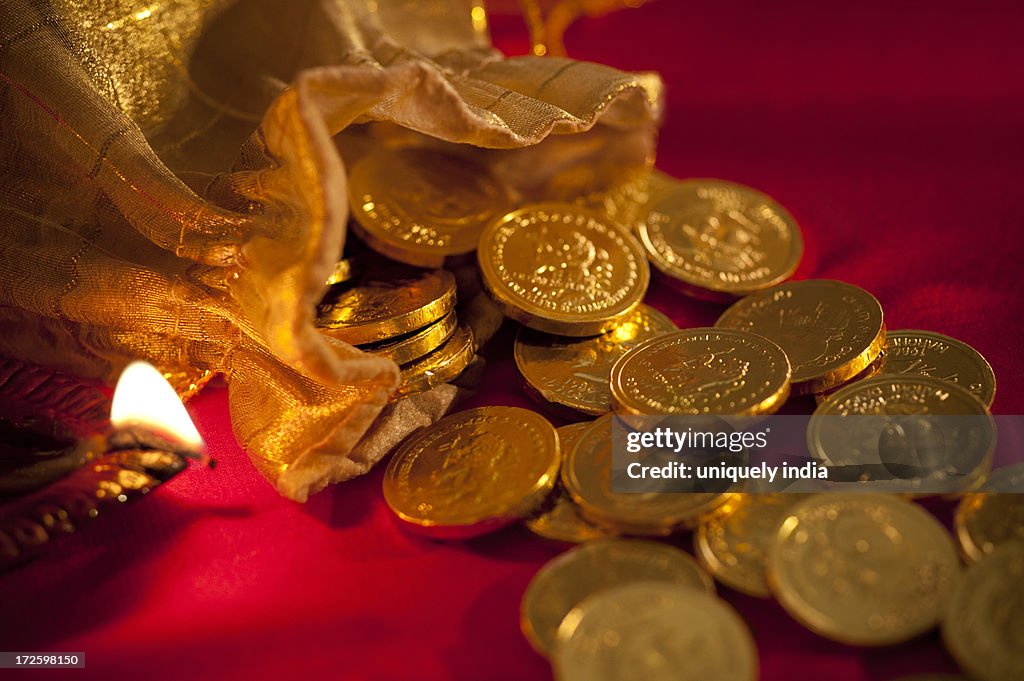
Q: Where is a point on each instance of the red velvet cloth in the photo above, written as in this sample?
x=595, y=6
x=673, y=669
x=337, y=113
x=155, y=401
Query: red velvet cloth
x=894, y=133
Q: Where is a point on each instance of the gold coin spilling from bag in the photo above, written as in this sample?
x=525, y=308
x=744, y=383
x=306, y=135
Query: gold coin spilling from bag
x=830, y=330
x=574, y=372
x=910, y=434
x=562, y=269
x=421, y=206
x=473, y=472
x=863, y=569
x=983, y=627
x=587, y=477
x=654, y=631
x=560, y=519
x=389, y=303
x=564, y=582
x=925, y=353
x=733, y=542
x=984, y=522
x=408, y=347
x=701, y=371
x=720, y=240
x=440, y=366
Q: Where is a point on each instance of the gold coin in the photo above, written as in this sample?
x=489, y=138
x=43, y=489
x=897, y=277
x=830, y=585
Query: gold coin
x=625, y=199
x=587, y=477
x=720, y=240
x=440, y=366
x=984, y=522
x=925, y=353
x=393, y=302
x=560, y=518
x=419, y=206
x=701, y=371
x=407, y=347
x=656, y=632
x=872, y=370
x=916, y=442
x=563, y=269
x=567, y=580
x=473, y=471
x=830, y=330
x=983, y=627
x=863, y=569
x=732, y=543
x=574, y=372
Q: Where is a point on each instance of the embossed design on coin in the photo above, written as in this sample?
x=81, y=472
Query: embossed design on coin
x=925, y=353
x=721, y=239
x=565, y=581
x=574, y=373
x=411, y=346
x=984, y=522
x=655, y=632
x=830, y=330
x=391, y=302
x=420, y=205
x=563, y=269
x=983, y=627
x=863, y=569
x=473, y=471
x=701, y=371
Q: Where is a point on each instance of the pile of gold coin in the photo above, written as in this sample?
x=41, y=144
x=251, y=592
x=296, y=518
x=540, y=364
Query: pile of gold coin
x=571, y=270
x=402, y=313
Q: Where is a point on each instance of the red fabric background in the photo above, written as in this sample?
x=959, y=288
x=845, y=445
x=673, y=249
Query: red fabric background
x=894, y=132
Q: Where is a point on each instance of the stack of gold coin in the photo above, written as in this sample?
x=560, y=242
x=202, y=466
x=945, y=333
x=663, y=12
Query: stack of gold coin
x=563, y=269
x=421, y=206
x=573, y=372
x=863, y=569
x=404, y=314
x=830, y=330
x=720, y=240
x=473, y=472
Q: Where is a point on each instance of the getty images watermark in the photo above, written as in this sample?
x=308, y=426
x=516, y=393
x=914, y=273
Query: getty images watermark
x=914, y=453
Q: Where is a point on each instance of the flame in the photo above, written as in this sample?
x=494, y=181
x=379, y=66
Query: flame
x=144, y=398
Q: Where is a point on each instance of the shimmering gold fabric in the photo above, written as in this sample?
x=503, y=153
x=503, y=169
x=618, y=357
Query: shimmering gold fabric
x=171, y=189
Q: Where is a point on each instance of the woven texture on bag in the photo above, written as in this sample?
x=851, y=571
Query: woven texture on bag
x=172, y=190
